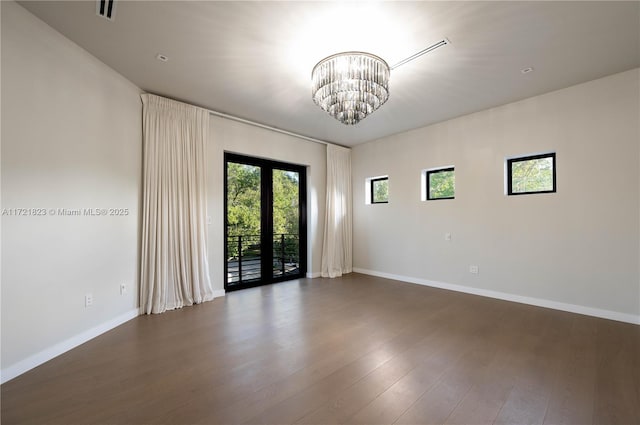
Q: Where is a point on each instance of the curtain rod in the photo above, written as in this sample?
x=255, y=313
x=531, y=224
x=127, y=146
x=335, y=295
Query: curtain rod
x=267, y=127
x=253, y=123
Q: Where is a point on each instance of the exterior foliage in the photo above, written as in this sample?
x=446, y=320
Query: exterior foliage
x=442, y=184
x=243, y=202
x=243, y=199
x=533, y=175
x=285, y=202
x=380, y=190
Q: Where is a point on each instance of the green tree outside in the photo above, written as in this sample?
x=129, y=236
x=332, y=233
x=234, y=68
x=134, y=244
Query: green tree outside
x=381, y=190
x=244, y=205
x=442, y=184
x=285, y=202
x=243, y=199
x=533, y=175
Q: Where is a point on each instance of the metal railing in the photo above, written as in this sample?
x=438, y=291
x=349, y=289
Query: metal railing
x=286, y=254
x=244, y=257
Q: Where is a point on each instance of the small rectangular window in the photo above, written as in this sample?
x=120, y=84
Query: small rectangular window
x=531, y=174
x=441, y=184
x=380, y=190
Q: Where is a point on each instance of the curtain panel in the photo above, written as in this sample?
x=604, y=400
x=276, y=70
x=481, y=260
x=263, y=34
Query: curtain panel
x=337, y=245
x=174, y=271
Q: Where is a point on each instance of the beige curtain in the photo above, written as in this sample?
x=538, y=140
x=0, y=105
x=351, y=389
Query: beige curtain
x=337, y=246
x=174, y=271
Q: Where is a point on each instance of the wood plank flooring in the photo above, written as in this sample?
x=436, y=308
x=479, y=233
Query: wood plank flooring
x=357, y=349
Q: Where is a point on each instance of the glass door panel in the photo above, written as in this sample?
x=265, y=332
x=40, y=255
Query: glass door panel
x=286, y=223
x=244, y=218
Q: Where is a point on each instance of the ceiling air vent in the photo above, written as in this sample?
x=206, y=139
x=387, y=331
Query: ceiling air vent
x=106, y=9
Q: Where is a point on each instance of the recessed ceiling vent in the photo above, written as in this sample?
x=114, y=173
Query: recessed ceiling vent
x=106, y=9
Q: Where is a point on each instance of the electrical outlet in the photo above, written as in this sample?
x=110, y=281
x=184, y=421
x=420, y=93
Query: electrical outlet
x=123, y=288
x=473, y=269
x=88, y=300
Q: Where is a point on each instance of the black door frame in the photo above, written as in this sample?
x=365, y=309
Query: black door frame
x=266, y=223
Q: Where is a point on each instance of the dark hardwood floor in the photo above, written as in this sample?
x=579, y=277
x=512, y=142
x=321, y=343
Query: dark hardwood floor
x=357, y=349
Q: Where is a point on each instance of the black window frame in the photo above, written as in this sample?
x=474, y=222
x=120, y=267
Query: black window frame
x=427, y=183
x=371, y=191
x=510, y=161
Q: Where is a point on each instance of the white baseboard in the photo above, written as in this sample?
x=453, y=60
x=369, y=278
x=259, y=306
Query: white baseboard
x=572, y=308
x=219, y=293
x=47, y=354
x=313, y=275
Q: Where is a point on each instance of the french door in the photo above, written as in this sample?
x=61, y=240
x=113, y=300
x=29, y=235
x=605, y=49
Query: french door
x=265, y=221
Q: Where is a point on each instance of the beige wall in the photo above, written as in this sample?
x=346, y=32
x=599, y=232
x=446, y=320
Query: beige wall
x=579, y=246
x=236, y=137
x=71, y=138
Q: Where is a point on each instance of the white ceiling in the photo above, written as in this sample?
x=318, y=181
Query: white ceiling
x=254, y=59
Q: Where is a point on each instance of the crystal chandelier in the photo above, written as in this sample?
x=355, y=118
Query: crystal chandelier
x=350, y=85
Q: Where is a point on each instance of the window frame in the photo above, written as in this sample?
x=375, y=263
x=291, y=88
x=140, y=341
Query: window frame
x=371, y=191
x=428, y=174
x=510, y=161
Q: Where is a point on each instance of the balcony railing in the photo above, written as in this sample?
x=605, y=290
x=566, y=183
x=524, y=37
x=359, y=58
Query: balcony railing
x=245, y=255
